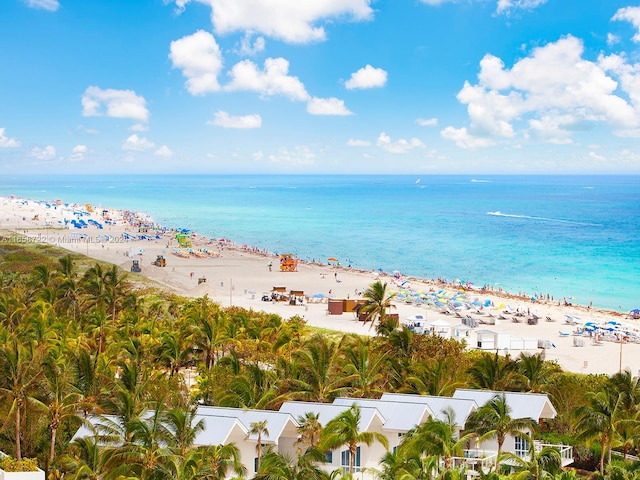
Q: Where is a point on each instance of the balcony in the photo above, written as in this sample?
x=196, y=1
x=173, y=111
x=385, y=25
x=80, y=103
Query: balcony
x=475, y=460
x=566, y=451
x=37, y=475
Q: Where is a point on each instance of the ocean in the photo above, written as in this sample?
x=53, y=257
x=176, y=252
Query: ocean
x=573, y=237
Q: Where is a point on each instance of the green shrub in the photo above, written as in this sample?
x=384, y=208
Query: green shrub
x=10, y=464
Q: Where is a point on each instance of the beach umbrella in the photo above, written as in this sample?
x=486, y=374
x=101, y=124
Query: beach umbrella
x=319, y=295
x=332, y=259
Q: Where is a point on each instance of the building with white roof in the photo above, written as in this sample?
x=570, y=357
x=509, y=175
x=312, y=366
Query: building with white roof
x=393, y=415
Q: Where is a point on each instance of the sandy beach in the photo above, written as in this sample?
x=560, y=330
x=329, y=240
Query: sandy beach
x=240, y=275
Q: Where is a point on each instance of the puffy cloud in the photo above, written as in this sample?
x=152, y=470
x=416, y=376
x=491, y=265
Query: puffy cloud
x=552, y=89
x=114, y=103
x=427, y=122
x=327, y=106
x=164, y=151
x=353, y=142
x=249, y=49
x=274, y=79
x=399, y=146
x=78, y=152
x=298, y=156
x=289, y=20
x=6, y=142
x=630, y=14
x=200, y=59
x=223, y=119
x=46, y=153
x=463, y=139
x=50, y=5
x=137, y=144
x=367, y=77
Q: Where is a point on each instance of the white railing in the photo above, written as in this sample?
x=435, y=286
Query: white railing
x=476, y=460
x=566, y=451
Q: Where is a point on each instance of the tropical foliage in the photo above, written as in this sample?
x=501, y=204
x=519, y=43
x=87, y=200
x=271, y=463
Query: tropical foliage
x=79, y=340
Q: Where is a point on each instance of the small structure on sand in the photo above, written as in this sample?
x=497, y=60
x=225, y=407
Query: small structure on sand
x=288, y=262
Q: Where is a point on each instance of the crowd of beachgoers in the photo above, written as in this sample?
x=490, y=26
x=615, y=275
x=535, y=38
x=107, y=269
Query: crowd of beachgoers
x=241, y=274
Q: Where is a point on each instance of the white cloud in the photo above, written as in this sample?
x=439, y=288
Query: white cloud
x=46, y=153
x=353, y=142
x=612, y=39
x=50, y=5
x=200, y=59
x=257, y=156
x=296, y=157
x=399, y=146
x=463, y=139
x=137, y=144
x=504, y=6
x=427, y=122
x=164, y=151
x=630, y=14
x=293, y=21
x=552, y=89
x=327, y=106
x=223, y=119
x=6, y=142
x=248, y=49
x=273, y=80
x=78, y=152
x=114, y=103
x=139, y=127
x=367, y=77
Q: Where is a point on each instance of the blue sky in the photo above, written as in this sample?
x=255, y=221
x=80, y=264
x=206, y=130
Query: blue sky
x=320, y=86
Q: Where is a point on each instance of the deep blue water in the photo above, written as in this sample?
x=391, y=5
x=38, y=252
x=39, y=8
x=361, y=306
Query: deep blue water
x=570, y=236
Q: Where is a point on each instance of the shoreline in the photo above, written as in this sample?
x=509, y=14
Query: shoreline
x=240, y=275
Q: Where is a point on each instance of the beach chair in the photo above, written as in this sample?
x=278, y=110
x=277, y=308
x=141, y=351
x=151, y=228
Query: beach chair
x=563, y=334
x=549, y=319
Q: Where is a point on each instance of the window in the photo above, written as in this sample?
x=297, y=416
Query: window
x=255, y=465
x=328, y=456
x=344, y=458
x=522, y=446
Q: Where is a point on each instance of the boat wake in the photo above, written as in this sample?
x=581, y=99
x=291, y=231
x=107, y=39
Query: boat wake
x=542, y=219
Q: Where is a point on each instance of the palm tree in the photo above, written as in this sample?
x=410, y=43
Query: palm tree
x=439, y=438
x=316, y=371
x=84, y=460
x=344, y=430
x=310, y=430
x=20, y=370
x=377, y=303
x=259, y=429
x=364, y=368
x=540, y=465
x=63, y=402
x=600, y=419
x=182, y=429
x=278, y=466
x=404, y=464
x=536, y=371
x=494, y=372
x=216, y=461
x=493, y=421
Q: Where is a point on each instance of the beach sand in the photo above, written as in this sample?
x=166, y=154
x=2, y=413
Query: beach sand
x=240, y=275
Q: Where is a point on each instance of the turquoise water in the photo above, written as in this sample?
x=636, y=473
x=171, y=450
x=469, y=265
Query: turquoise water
x=569, y=236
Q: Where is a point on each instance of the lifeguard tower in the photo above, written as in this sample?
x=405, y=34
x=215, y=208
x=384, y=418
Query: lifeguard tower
x=184, y=240
x=288, y=262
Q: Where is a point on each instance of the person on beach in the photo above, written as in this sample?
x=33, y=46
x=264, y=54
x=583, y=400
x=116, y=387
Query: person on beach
x=270, y=265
